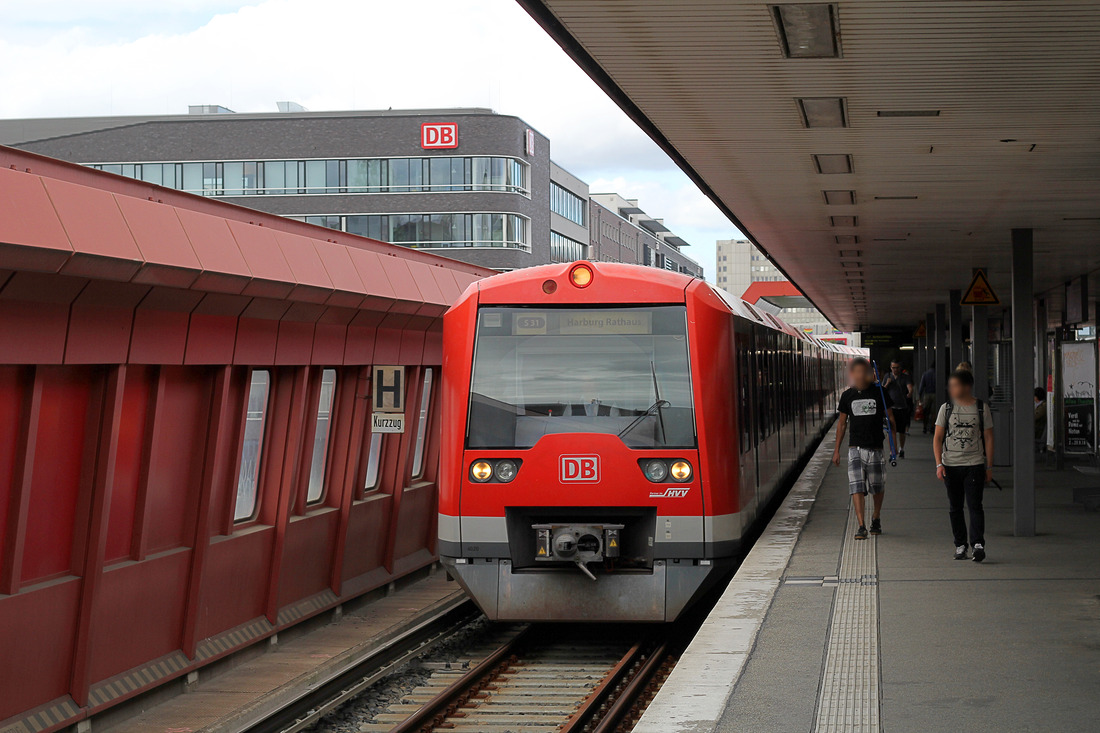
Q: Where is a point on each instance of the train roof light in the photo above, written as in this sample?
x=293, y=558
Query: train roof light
x=581, y=276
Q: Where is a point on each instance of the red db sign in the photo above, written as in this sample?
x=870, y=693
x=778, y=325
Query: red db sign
x=580, y=468
x=435, y=135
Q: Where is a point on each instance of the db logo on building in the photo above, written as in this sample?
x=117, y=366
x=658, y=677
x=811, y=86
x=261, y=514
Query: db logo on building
x=436, y=135
x=580, y=468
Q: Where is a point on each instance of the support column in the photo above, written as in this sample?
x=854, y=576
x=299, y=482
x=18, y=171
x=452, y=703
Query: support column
x=956, y=324
x=1023, y=415
x=929, y=340
x=943, y=367
x=979, y=340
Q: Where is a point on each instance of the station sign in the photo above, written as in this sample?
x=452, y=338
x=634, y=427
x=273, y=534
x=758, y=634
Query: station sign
x=439, y=135
x=387, y=422
x=389, y=389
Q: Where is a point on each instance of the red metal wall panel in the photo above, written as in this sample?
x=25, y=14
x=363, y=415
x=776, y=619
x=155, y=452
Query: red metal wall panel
x=100, y=323
x=103, y=246
x=66, y=415
x=128, y=463
x=39, y=630
x=31, y=235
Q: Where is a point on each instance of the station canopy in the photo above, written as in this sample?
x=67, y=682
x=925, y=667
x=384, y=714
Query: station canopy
x=876, y=150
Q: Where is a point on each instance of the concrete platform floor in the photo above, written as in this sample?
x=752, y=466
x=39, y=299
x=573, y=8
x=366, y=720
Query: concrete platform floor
x=1012, y=644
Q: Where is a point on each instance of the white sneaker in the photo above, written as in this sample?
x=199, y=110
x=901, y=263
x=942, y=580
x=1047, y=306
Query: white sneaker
x=960, y=552
x=979, y=552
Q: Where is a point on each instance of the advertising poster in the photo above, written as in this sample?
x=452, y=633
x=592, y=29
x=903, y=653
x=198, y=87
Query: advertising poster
x=1079, y=396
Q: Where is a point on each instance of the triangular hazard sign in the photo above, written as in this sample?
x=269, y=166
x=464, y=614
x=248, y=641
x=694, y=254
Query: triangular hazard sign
x=980, y=292
x=542, y=550
x=612, y=543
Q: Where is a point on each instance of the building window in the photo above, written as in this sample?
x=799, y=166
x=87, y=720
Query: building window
x=320, y=436
x=422, y=426
x=565, y=249
x=430, y=231
x=335, y=176
x=252, y=445
x=568, y=204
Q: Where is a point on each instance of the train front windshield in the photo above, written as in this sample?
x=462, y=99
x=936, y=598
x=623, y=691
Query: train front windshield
x=622, y=371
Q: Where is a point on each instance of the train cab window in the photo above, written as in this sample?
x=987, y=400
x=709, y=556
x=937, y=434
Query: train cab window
x=619, y=371
x=422, y=426
x=374, y=462
x=321, y=435
x=252, y=445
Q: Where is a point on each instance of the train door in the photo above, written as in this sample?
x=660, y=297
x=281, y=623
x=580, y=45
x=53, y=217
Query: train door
x=766, y=412
x=747, y=427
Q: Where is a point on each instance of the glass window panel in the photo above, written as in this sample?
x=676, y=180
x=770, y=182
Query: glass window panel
x=358, y=175
x=332, y=174
x=233, y=179
x=128, y=170
x=458, y=174
x=292, y=176
x=402, y=228
x=192, y=177
x=315, y=176
x=376, y=226
x=252, y=446
x=399, y=175
x=275, y=176
x=356, y=225
x=374, y=461
x=481, y=174
x=153, y=173
x=320, y=436
x=498, y=227
x=422, y=426
x=253, y=175
x=416, y=175
x=211, y=179
x=498, y=179
x=113, y=168
x=439, y=174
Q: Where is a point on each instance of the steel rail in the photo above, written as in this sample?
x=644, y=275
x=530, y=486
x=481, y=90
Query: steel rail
x=434, y=712
x=316, y=702
x=589, y=711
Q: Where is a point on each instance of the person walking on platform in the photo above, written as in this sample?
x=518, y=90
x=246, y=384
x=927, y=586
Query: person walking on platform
x=963, y=447
x=926, y=392
x=899, y=389
x=863, y=405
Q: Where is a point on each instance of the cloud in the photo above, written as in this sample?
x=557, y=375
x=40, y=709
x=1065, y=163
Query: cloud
x=111, y=57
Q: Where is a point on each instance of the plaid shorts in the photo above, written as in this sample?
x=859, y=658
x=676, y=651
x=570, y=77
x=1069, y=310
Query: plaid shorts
x=866, y=471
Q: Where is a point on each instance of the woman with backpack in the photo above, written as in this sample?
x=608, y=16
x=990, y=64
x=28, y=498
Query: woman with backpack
x=963, y=446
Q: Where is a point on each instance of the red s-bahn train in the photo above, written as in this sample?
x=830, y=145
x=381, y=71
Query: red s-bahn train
x=612, y=433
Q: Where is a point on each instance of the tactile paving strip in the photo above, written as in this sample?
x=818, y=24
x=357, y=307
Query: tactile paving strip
x=849, y=695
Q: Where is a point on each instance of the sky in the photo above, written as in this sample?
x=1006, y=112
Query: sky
x=116, y=57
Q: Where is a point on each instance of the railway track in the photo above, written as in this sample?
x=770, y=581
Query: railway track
x=540, y=678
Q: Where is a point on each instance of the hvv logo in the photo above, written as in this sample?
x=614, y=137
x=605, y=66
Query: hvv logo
x=580, y=469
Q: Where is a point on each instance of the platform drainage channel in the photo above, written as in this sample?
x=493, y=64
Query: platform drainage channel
x=849, y=696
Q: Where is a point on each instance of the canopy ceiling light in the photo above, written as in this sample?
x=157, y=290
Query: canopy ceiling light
x=808, y=30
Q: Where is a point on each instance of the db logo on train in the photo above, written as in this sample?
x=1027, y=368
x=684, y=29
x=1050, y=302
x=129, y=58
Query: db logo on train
x=580, y=469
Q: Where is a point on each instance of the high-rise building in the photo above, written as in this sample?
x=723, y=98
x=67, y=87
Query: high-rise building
x=739, y=264
x=464, y=183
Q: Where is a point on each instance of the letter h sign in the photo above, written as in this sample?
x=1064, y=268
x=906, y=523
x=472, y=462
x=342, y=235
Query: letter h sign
x=389, y=389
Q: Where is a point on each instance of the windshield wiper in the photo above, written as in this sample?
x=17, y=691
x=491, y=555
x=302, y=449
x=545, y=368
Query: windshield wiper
x=654, y=409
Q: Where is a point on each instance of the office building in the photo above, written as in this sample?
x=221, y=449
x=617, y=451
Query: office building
x=464, y=183
x=622, y=232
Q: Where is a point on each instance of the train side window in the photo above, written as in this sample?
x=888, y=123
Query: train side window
x=252, y=445
x=422, y=425
x=374, y=462
x=321, y=436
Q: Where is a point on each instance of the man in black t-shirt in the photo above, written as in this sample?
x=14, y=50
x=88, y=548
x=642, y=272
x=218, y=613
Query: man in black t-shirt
x=863, y=406
x=899, y=389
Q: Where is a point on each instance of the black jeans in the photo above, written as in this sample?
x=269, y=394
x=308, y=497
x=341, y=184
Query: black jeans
x=966, y=483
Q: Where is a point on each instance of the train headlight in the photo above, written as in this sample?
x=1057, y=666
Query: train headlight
x=481, y=471
x=680, y=471
x=656, y=470
x=506, y=470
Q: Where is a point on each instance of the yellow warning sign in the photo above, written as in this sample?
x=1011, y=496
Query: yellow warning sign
x=980, y=292
x=613, y=543
x=542, y=550
x=921, y=331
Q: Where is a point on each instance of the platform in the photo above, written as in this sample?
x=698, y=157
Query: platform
x=230, y=700
x=820, y=632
